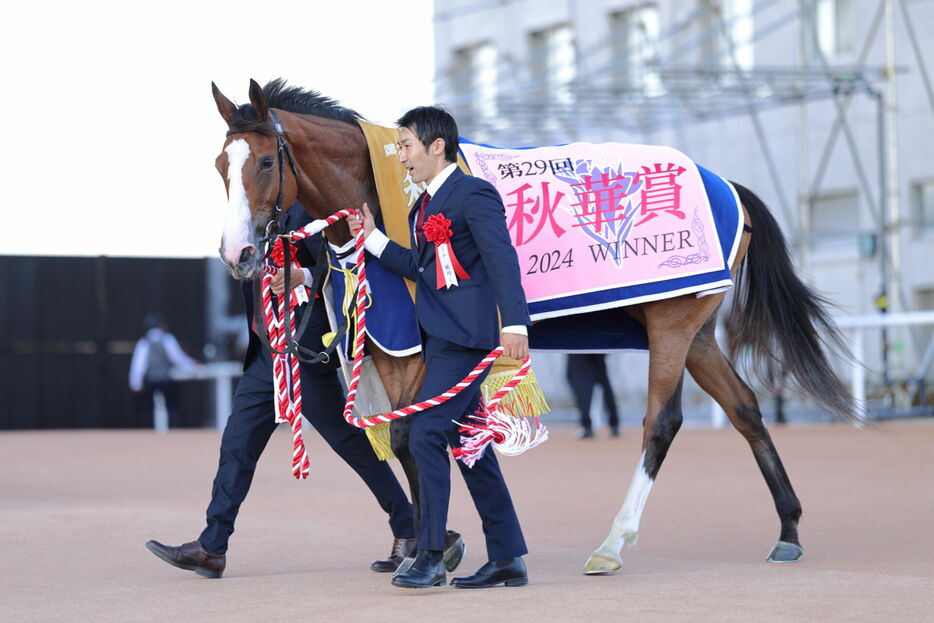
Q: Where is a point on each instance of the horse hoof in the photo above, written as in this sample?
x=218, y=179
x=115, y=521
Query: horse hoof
x=454, y=549
x=783, y=551
x=601, y=563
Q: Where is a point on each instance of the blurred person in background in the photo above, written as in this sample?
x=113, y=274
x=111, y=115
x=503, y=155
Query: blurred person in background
x=585, y=371
x=153, y=358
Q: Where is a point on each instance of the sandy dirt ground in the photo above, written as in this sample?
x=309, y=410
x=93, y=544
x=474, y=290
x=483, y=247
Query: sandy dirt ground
x=77, y=507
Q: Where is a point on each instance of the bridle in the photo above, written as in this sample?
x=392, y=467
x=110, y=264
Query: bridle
x=282, y=149
x=266, y=245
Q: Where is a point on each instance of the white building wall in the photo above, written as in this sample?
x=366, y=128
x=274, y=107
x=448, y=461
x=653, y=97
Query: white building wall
x=796, y=136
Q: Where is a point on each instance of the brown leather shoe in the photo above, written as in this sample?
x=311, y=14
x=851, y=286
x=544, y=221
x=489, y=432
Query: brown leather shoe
x=401, y=548
x=190, y=556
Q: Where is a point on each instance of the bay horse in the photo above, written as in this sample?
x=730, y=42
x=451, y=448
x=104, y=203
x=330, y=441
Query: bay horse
x=775, y=316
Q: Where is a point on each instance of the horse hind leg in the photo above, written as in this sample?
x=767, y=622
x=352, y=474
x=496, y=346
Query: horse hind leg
x=662, y=422
x=713, y=372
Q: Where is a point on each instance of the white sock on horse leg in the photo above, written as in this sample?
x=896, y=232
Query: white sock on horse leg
x=625, y=528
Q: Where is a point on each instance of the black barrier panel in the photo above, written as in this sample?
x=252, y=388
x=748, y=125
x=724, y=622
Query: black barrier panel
x=67, y=330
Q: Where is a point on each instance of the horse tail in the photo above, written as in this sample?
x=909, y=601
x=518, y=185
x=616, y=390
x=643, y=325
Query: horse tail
x=782, y=321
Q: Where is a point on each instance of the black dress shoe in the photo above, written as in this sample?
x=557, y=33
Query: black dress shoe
x=585, y=433
x=508, y=571
x=401, y=548
x=190, y=556
x=425, y=572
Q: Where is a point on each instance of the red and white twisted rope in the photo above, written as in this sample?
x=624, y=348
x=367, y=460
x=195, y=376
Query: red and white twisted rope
x=318, y=225
x=286, y=374
x=512, y=435
x=505, y=432
x=285, y=370
x=419, y=406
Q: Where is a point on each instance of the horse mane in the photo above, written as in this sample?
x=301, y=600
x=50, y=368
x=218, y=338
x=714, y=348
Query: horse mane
x=292, y=99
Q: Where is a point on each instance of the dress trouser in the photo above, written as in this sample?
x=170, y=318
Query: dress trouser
x=252, y=423
x=169, y=395
x=584, y=372
x=430, y=434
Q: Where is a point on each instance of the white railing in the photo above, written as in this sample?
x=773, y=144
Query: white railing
x=856, y=326
x=222, y=373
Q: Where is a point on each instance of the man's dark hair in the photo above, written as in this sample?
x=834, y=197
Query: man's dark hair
x=432, y=122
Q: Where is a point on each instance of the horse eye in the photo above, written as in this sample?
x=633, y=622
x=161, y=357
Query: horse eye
x=266, y=163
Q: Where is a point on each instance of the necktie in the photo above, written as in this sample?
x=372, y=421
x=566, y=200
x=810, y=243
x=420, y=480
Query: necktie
x=420, y=220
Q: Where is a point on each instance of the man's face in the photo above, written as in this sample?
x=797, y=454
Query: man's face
x=422, y=164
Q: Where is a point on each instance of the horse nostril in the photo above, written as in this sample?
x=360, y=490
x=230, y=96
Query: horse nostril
x=247, y=254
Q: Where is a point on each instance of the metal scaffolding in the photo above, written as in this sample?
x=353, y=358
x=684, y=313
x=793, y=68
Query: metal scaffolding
x=714, y=89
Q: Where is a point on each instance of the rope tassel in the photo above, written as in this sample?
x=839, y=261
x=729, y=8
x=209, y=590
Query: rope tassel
x=509, y=435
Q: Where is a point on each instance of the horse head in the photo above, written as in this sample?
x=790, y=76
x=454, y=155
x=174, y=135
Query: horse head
x=251, y=164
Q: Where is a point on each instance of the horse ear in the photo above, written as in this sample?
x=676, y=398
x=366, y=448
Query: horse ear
x=258, y=99
x=224, y=106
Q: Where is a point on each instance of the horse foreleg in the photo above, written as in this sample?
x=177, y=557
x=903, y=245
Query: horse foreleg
x=414, y=375
x=402, y=377
x=659, y=431
x=399, y=441
x=713, y=372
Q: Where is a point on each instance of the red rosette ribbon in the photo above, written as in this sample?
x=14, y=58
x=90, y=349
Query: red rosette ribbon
x=447, y=269
x=277, y=255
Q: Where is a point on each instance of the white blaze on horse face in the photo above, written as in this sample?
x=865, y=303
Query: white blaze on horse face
x=237, y=225
x=625, y=528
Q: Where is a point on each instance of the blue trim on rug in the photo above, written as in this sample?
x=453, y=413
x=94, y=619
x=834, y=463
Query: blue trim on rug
x=390, y=318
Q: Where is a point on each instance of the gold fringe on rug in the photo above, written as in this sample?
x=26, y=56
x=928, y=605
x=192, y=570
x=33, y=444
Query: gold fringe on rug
x=379, y=438
x=525, y=400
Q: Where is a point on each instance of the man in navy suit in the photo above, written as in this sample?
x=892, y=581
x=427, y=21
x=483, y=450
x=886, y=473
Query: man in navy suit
x=459, y=327
x=252, y=423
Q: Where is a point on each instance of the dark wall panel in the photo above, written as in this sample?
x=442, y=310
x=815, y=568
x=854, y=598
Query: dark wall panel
x=67, y=327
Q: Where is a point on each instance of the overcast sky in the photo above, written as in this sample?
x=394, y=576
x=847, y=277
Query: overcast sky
x=110, y=131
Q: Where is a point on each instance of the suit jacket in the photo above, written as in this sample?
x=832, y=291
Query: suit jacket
x=308, y=250
x=465, y=314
